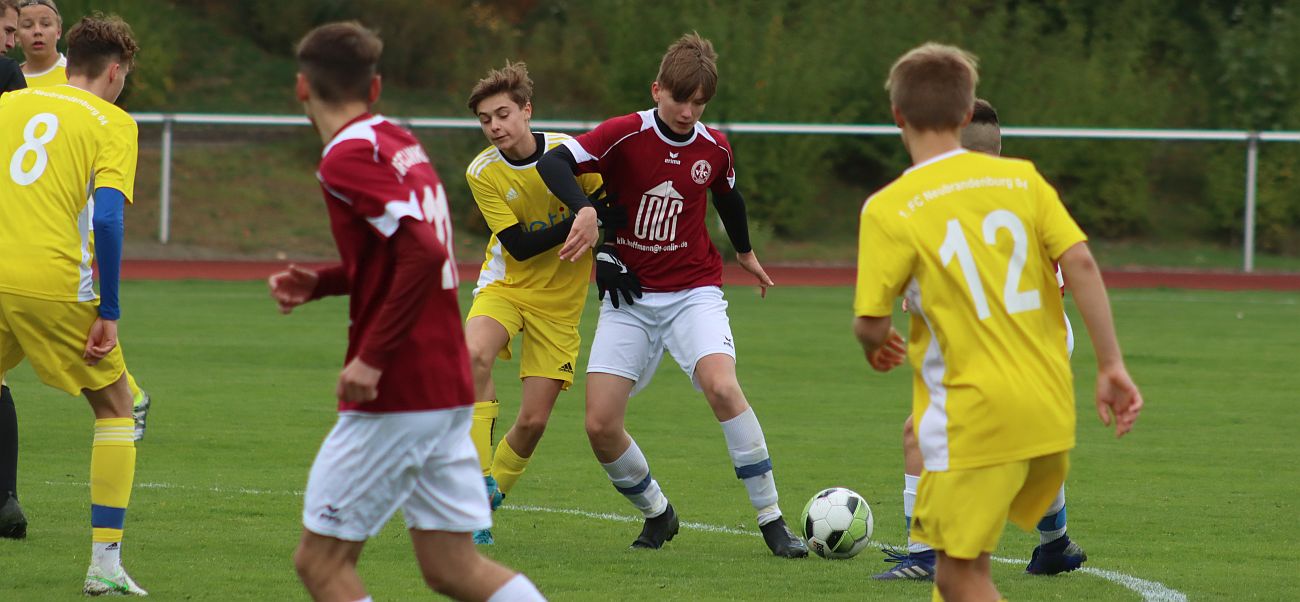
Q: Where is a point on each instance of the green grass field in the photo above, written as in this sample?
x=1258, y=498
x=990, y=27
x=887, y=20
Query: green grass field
x=1200, y=499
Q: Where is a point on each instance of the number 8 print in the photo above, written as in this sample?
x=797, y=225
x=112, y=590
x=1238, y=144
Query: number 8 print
x=32, y=144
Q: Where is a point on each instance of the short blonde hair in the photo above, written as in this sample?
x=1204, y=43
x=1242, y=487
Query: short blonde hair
x=933, y=86
x=690, y=64
x=512, y=79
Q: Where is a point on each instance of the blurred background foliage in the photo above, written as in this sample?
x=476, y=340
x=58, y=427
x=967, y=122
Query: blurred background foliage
x=1228, y=64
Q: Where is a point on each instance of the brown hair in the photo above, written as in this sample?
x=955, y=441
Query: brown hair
x=933, y=86
x=983, y=134
x=512, y=79
x=339, y=60
x=97, y=40
x=689, y=65
x=10, y=5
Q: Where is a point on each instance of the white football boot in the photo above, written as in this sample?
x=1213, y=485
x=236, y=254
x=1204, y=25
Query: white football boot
x=98, y=583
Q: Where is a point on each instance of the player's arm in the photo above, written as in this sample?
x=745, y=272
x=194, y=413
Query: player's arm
x=110, y=230
x=297, y=285
x=1117, y=395
x=558, y=169
x=884, y=264
x=731, y=210
x=11, y=76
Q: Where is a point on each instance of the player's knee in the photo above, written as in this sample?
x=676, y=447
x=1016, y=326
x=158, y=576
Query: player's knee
x=601, y=432
x=439, y=579
x=532, y=425
x=481, y=359
x=723, y=392
x=308, y=564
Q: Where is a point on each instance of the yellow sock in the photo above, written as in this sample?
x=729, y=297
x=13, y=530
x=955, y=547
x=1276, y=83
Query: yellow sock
x=485, y=420
x=935, y=596
x=507, y=466
x=137, y=395
x=112, y=470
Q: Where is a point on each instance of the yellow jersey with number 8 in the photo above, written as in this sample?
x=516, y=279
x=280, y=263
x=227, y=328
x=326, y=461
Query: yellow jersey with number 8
x=57, y=144
x=971, y=240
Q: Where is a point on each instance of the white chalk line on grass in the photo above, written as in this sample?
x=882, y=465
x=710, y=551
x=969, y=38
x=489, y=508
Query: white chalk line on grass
x=1151, y=591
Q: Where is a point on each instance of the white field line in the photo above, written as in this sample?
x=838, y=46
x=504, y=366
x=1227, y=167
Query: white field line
x=1151, y=591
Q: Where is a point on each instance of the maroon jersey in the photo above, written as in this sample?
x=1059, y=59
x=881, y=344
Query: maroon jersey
x=377, y=179
x=661, y=183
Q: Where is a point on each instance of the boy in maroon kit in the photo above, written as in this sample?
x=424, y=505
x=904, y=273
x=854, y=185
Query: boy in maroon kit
x=660, y=164
x=404, y=396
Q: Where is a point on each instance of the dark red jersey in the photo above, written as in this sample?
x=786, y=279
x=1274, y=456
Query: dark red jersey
x=377, y=179
x=662, y=184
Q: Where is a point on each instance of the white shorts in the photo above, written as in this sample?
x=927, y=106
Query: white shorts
x=372, y=464
x=630, y=340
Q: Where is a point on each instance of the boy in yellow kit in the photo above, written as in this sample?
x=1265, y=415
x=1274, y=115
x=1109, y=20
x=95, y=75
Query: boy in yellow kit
x=970, y=239
x=522, y=287
x=58, y=143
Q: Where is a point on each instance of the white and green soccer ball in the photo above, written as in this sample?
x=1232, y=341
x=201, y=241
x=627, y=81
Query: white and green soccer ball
x=837, y=523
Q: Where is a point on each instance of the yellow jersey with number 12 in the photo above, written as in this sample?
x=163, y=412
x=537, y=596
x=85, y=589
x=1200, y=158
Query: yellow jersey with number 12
x=509, y=193
x=971, y=239
x=57, y=144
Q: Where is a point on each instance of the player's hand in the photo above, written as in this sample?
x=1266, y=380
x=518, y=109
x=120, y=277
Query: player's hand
x=904, y=304
x=1118, y=398
x=292, y=287
x=100, y=341
x=613, y=277
x=359, y=382
x=609, y=216
x=749, y=261
x=890, y=355
x=582, y=236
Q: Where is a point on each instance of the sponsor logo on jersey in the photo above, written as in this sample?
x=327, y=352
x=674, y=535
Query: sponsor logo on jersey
x=701, y=171
x=656, y=217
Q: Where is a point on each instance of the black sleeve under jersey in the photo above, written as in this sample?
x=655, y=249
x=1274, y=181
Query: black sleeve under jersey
x=11, y=76
x=731, y=208
x=523, y=245
x=558, y=169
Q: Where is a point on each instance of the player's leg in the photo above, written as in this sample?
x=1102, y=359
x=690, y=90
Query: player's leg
x=624, y=354
x=700, y=339
x=112, y=474
x=327, y=567
x=13, y=524
x=491, y=322
x=444, y=506
x=961, y=580
x=453, y=567
x=918, y=562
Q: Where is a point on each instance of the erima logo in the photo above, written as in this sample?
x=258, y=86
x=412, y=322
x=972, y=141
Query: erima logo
x=672, y=158
x=727, y=342
x=331, y=514
x=567, y=368
x=512, y=195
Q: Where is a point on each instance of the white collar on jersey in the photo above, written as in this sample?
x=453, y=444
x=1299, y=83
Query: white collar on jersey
x=936, y=159
x=62, y=62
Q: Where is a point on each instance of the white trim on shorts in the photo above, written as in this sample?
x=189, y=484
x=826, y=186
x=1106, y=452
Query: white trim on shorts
x=631, y=339
x=371, y=464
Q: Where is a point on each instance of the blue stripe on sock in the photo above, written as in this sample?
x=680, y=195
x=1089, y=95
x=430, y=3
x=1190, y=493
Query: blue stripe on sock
x=754, y=470
x=107, y=517
x=1053, y=522
x=908, y=520
x=637, y=489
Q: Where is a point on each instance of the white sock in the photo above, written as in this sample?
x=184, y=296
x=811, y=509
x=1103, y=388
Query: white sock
x=366, y=599
x=749, y=456
x=106, y=556
x=517, y=589
x=630, y=474
x=1052, y=525
x=910, y=482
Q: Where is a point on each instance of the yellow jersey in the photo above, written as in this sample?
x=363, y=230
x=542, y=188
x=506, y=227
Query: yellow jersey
x=58, y=74
x=510, y=193
x=57, y=144
x=971, y=240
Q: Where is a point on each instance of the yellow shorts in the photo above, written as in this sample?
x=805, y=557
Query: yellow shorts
x=52, y=334
x=963, y=512
x=549, y=347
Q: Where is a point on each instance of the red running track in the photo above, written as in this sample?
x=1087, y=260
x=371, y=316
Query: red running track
x=733, y=274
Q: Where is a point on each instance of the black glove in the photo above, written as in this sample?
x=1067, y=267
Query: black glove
x=613, y=277
x=608, y=215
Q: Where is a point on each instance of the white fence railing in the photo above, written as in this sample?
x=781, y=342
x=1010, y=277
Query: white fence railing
x=1251, y=138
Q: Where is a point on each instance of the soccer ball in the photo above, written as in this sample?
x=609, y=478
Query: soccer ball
x=837, y=523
